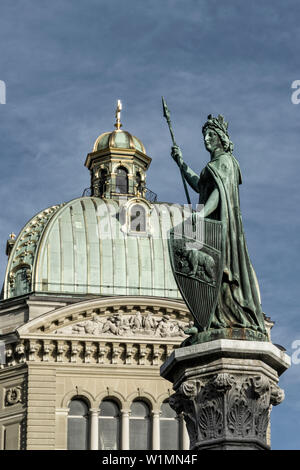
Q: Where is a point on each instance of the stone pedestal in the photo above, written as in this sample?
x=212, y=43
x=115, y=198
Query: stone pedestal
x=225, y=389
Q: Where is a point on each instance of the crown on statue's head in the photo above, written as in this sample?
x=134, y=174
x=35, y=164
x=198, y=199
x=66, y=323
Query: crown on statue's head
x=216, y=122
x=219, y=125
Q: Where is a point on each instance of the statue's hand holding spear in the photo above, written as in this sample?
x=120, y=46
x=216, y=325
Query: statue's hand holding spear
x=177, y=155
x=176, y=152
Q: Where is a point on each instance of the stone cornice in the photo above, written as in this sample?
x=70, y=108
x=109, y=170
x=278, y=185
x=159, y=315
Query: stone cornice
x=74, y=352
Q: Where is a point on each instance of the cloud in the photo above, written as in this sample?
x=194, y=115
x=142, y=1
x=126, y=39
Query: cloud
x=66, y=65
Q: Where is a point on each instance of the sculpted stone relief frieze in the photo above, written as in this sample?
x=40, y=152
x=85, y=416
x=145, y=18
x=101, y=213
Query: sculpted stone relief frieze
x=128, y=325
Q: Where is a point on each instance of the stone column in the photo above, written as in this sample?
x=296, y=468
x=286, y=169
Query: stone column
x=225, y=389
x=125, y=430
x=155, y=430
x=185, y=440
x=94, y=429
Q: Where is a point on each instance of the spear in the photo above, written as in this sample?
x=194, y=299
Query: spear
x=167, y=116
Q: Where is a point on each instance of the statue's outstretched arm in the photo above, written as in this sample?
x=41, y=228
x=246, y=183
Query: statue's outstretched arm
x=191, y=177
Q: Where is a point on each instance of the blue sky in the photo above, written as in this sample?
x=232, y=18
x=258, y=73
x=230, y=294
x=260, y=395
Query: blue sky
x=66, y=63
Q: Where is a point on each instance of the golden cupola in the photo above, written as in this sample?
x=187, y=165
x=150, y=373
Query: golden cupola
x=118, y=163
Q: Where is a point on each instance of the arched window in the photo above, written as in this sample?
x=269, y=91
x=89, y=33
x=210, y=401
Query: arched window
x=140, y=426
x=138, y=178
x=78, y=425
x=137, y=218
x=109, y=426
x=122, y=180
x=102, y=180
x=169, y=428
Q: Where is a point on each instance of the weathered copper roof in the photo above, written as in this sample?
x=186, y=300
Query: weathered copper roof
x=86, y=247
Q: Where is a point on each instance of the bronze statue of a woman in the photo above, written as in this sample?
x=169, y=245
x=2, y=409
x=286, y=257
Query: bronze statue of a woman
x=238, y=300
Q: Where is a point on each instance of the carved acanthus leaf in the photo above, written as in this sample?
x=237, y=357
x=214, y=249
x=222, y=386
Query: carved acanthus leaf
x=226, y=405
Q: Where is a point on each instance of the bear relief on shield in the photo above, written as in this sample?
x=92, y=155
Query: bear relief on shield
x=193, y=262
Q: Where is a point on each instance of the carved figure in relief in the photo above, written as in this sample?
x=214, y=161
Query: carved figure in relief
x=116, y=324
x=149, y=323
x=137, y=321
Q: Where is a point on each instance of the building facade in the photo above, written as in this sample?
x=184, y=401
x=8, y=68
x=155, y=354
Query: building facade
x=89, y=312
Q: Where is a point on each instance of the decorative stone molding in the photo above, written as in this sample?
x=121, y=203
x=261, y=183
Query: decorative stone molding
x=88, y=352
x=20, y=353
x=12, y=279
x=33, y=349
x=228, y=407
x=13, y=396
x=23, y=251
x=28, y=274
x=102, y=350
x=60, y=351
x=129, y=352
x=74, y=351
x=10, y=356
x=66, y=351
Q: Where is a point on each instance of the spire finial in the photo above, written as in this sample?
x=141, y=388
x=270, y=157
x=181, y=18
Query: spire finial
x=118, y=124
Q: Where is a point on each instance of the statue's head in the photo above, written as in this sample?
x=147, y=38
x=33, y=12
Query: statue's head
x=216, y=135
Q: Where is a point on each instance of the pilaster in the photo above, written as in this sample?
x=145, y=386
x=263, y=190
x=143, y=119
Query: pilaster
x=41, y=408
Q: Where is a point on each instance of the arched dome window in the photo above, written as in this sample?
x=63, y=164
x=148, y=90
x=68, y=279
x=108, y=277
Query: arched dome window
x=169, y=428
x=121, y=180
x=140, y=426
x=78, y=425
x=109, y=426
x=137, y=218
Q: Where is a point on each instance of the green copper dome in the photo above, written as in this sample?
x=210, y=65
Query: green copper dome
x=87, y=246
x=118, y=139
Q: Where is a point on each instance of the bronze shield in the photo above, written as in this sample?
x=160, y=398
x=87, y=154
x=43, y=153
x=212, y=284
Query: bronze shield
x=197, y=260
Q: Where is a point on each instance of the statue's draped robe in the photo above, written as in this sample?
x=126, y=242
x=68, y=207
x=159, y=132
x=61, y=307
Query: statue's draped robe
x=238, y=301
